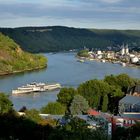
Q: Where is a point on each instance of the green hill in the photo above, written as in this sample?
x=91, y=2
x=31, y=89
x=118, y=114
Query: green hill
x=59, y=38
x=13, y=59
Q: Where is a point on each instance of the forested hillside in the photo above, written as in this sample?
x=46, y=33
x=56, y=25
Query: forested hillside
x=58, y=38
x=13, y=59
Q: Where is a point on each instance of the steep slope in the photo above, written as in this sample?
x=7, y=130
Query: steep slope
x=58, y=38
x=13, y=59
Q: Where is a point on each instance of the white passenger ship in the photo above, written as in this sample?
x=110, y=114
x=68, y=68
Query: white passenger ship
x=36, y=87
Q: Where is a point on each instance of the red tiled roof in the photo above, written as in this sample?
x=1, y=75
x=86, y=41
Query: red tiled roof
x=93, y=112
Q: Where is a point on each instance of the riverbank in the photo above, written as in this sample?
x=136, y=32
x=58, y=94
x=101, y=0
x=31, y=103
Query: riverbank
x=21, y=71
x=110, y=61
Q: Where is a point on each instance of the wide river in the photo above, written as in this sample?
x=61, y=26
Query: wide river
x=64, y=69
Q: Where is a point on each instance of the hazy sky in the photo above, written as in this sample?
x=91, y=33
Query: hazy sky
x=117, y=14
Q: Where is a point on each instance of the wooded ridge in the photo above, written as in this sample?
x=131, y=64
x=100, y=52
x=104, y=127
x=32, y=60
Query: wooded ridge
x=59, y=38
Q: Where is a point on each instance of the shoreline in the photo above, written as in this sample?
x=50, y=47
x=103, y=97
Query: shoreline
x=21, y=71
x=101, y=60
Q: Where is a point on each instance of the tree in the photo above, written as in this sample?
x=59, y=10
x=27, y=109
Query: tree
x=83, y=53
x=135, y=130
x=114, y=96
x=54, y=108
x=119, y=86
x=105, y=104
x=77, y=129
x=122, y=80
x=93, y=90
x=66, y=96
x=111, y=80
x=33, y=115
x=79, y=105
x=77, y=124
x=5, y=104
x=121, y=133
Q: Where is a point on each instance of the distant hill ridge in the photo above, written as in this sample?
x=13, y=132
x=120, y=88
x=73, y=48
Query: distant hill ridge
x=59, y=38
x=13, y=59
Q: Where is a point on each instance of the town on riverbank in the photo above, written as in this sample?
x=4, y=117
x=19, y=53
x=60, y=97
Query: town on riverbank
x=123, y=57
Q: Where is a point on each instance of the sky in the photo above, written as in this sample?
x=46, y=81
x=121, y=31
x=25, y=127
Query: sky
x=101, y=14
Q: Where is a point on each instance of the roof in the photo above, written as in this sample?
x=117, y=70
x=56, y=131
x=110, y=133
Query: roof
x=93, y=112
x=128, y=99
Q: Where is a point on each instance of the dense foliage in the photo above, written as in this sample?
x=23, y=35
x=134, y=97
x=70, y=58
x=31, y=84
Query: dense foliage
x=13, y=59
x=130, y=133
x=32, y=126
x=33, y=115
x=93, y=90
x=79, y=105
x=21, y=128
x=123, y=81
x=5, y=104
x=54, y=108
x=76, y=129
x=66, y=96
x=57, y=38
x=105, y=103
x=83, y=53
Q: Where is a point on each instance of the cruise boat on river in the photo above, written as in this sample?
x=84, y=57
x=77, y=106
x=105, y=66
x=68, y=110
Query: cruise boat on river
x=35, y=87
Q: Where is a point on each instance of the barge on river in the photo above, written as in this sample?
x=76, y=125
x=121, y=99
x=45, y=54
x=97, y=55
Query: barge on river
x=35, y=87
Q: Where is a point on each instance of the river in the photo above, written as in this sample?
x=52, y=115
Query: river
x=64, y=69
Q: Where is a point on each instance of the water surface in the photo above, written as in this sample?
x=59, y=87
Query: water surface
x=64, y=69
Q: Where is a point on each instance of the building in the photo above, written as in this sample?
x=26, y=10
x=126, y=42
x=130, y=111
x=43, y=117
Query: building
x=129, y=104
x=99, y=52
x=110, y=55
x=134, y=59
x=124, y=50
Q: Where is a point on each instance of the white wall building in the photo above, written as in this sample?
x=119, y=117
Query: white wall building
x=99, y=52
x=134, y=59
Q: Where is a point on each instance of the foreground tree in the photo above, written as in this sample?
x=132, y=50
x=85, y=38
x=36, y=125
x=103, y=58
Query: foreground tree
x=79, y=105
x=93, y=90
x=5, y=104
x=114, y=96
x=54, y=108
x=77, y=129
x=135, y=130
x=105, y=104
x=122, y=80
x=66, y=96
x=33, y=115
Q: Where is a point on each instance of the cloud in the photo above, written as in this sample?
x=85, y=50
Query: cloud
x=111, y=1
x=85, y=13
